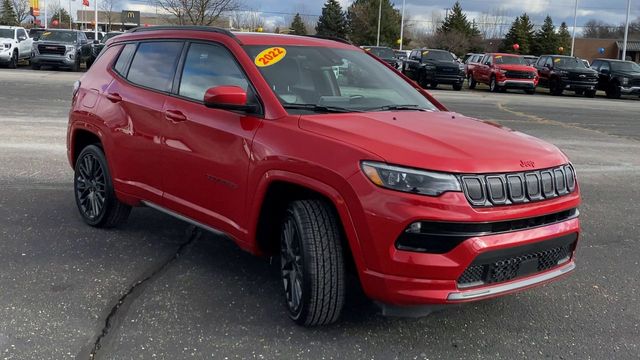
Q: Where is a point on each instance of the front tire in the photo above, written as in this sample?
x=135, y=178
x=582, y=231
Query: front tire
x=93, y=188
x=493, y=85
x=555, y=88
x=311, y=263
x=613, y=91
x=530, y=91
x=433, y=85
x=13, y=62
x=472, y=83
x=457, y=87
x=590, y=93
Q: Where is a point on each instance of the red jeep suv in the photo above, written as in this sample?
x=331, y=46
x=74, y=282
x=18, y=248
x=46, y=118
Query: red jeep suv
x=505, y=71
x=317, y=153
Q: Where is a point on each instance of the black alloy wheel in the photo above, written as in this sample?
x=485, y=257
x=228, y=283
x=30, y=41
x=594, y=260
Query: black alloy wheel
x=93, y=188
x=291, y=265
x=13, y=62
x=493, y=84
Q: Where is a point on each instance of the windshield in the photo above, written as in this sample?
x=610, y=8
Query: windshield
x=59, y=36
x=338, y=80
x=437, y=55
x=568, y=63
x=509, y=60
x=6, y=33
x=625, y=66
x=383, y=53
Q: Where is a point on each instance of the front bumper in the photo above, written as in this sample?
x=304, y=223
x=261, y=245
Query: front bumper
x=5, y=56
x=54, y=60
x=397, y=277
x=630, y=90
x=517, y=84
x=575, y=85
x=445, y=78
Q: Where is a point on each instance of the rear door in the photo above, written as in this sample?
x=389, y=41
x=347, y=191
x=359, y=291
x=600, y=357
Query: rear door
x=413, y=64
x=143, y=78
x=207, y=151
x=482, y=70
x=24, y=42
x=543, y=67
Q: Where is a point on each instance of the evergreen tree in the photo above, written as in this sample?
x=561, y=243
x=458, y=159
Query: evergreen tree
x=363, y=23
x=456, y=20
x=297, y=26
x=521, y=33
x=8, y=14
x=545, y=40
x=564, y=38
x=333, y=21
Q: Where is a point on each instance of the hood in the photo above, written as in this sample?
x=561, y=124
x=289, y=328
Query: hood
x=629, y=74
x=6, y=40
x=580, y=71
x=442, y=63
x=440, y=141
x=516, y=67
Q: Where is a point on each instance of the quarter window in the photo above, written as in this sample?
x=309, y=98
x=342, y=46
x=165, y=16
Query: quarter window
x=124, y=59
x=605, y=66
x=154, y=64
x=208, y=66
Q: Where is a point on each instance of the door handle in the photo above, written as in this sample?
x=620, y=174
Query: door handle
x=114, y=97
x=175, y=116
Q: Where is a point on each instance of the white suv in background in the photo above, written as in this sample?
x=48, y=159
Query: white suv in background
x=15, y=44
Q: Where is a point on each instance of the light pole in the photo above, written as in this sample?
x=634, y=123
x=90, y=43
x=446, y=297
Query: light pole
x=626, y=31
x=402, y=25
x=575, y=24
x=45, y=14
x=96, y=28
x=69, y=14
x=379, y=16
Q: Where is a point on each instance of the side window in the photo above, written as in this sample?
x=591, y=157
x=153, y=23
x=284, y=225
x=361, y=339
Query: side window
x=207, y=66
x=541, y=60
x=549, y=62
x=605, y=67
x=596, y=65
x=154, y=64
x=22, y=33
x=123, y=60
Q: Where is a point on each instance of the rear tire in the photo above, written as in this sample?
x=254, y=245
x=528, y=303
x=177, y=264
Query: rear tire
x=93, y=188
x=433, y=85
x=35, y=67
x=312, y=264
x=76, y=64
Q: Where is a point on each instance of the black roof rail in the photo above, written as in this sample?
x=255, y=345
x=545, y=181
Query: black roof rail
x=340, y=40
x=185, y=28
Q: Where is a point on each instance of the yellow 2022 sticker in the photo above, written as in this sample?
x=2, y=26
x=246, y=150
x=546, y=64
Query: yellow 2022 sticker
x=498, y=56
x=557, y=60
x=270, y=56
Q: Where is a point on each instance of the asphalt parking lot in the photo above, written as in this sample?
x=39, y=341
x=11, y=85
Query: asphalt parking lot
x=159, y=289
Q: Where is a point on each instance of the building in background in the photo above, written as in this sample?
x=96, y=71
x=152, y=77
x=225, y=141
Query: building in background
x=125, y=20
x=590, y=49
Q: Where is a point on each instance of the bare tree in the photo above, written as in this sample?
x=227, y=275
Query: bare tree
x=107, y=7
x=248, y=20
x=197, y=12
x=491, y=24
x=21, y=8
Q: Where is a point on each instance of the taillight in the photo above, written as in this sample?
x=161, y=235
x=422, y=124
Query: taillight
x=76, y=87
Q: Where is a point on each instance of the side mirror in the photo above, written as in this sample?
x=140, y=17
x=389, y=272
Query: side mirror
x=22, y=38
x=96, y=42
x=605, y=72
x=227, y=97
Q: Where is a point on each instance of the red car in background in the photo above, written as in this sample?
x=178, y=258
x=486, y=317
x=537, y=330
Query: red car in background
x=471, y=62
x=504, y=71
x=316, y=153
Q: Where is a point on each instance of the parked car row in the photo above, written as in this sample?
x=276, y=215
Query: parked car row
x=50, y=47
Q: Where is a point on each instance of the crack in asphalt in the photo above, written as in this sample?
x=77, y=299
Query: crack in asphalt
x=109, y=323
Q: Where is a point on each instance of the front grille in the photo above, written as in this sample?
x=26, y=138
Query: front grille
x=634, y=82
x=583, y=77
x=519, y=74
x=500, y=266
x=447, y=69
x=518, y=188
x=51, y=49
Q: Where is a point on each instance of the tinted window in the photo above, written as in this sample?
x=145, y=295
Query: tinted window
x=596, y=65
x=62, y=36
x=154, y=64
x=509, y=60
x=6, y=33
x=605, y=66
x=124, y=58
x=21, y=32
x=207, y=66
x=437, y=55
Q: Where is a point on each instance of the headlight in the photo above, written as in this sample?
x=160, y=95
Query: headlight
x=410, y=180
x=69, y=47
x=503, y=71
x=7, y=45
x=461, y=66
x=624, y=81
x=429, y=67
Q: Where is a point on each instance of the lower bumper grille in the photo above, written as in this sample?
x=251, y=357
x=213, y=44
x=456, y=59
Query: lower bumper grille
x=505, y=265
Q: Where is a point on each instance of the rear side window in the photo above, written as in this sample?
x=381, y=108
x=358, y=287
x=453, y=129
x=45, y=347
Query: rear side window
x=207, y=66
x=124, y=59
x=154, y=64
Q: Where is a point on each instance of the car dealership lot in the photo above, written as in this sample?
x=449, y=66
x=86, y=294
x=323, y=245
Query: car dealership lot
x=190, y=294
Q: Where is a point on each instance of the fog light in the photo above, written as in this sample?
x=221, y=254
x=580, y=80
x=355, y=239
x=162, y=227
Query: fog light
x=415, y=227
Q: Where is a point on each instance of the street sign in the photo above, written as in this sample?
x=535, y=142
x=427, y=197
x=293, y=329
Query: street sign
x=130, y=16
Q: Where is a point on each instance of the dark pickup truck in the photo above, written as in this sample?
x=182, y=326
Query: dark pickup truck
x=61, y=48
x=431, y=67
x=560, y=73
x=617, y=77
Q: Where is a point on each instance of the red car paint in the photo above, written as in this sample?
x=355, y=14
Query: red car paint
x=215, y=166
x=506, y=75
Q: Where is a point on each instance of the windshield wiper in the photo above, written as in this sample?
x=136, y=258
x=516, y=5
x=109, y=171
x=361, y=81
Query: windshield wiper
x=397, y=107
x=319, y=108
